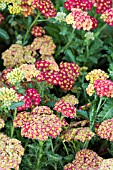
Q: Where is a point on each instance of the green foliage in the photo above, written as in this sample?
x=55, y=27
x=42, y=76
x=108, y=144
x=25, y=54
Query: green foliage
x=4, y=36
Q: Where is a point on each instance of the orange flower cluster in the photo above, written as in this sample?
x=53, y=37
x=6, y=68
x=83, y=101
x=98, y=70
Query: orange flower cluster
x=39, y=124
x=84, y=160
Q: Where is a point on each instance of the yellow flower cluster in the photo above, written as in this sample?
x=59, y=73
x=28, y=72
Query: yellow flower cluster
x=30, y=71
x=15, y=76
x=95, y=75
x=7, y=96
x=69, y=19
x=71, y=99
x=1, y=123
x=11, y=152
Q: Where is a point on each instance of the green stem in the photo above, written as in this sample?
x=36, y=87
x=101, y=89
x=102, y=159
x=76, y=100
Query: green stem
x=65, y=148
x=102, y=28
x=39, y=155
x=12, y=128
x=29, y=28
x=69, y=42
x=86, y=144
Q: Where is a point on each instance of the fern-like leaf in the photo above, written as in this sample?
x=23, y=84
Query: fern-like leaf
x=4, y=35
x=107, y=110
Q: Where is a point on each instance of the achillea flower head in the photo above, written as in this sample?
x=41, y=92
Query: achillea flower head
x=44, y=44
x=89, y=36
x=31, y=98
x=15, y=76
x=27, y=9
x=37, y=31
x=65, y=108
x=7, y=96
x=42, y=110
x=17, y=55
x=105, y=130
x=104, y=88
x=71, y=99
x=82, y=134
x=60, y=16
x=1, y=123
x=81, y=4
x=107, y=164
x=82, y=20
x=107, y=16
x=103, y=5
x=4, y=75
x=38, y=125
x=10, y=153
x=96, y=74
x=90, y=90
x=68, y=73
x=30, y=71
x=85, y=160
x=69, y=19
x=1, y=18
x=14, y=9
x=53, y=65
x=45, y=7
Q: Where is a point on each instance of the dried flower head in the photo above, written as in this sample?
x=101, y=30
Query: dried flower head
x=11, y=152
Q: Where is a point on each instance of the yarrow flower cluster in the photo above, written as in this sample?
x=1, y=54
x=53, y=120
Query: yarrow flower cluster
x=45, y=7
x=38, y=125
x=81, y=4
x=82, y=134
x=65, y=75
x=85, y=159
x=103, y=5
x=17, y=55
x=67, y=109
x=89, y=35
x=30, y=71
x=107, y=16
x=107, y=164
x=15, y=76
x=81, y=20
x=4, y=75
x=60, y=16
x=96, y=74
x=105, y=130
x=11, y=152
x=44, y=44
x=71, y=99
x=104, y=88
x=31, y=98
x=7, y=96
x=37, y=31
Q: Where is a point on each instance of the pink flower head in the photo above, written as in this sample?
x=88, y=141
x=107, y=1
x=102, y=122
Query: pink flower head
x=105, y=130
x=107, y=16
x=45, y=7
x=37, y=31
x=104, y=88
x=103, y=5
x=65, y=108
x=81, y=4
